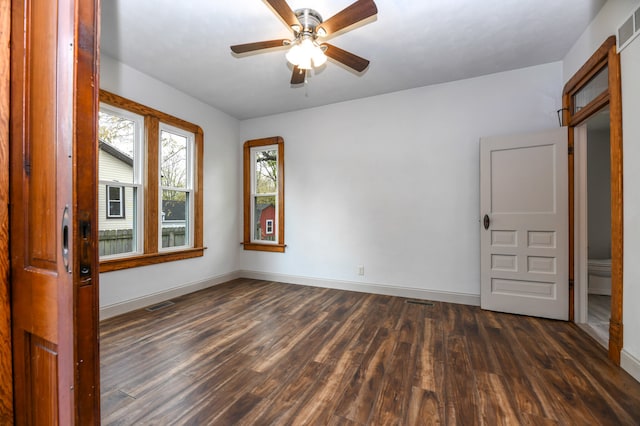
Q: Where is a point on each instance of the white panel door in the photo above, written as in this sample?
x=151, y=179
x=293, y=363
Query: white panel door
x=524, y=224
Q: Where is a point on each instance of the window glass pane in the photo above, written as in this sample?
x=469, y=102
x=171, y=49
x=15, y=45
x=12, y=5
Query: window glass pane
x=118, y=199
x=114, y=209
x=265, y=210
x=117, y=147
x=266, y=171
x=175, y=218
x=117, y=221
x=114, y=193
x=173, y=167
x=598, y=84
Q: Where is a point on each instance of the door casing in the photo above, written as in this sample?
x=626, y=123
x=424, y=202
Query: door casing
x=605, y=56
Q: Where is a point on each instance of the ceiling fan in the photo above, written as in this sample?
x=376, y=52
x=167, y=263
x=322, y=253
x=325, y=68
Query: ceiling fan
x=307, y=25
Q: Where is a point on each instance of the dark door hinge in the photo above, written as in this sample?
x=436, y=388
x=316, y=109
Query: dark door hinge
x=570, y=150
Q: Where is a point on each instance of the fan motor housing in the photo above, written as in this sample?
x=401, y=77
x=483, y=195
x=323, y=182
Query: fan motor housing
x=309, y=19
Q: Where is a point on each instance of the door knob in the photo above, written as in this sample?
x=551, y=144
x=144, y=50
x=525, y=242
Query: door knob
x=486, y=221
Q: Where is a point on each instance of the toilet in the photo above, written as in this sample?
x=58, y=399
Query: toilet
x=599, y=271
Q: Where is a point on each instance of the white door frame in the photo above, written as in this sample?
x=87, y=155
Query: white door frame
x=581, y=242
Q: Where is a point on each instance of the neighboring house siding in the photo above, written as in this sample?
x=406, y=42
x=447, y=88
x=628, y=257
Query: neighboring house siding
x=268, y=213
x=112, y=168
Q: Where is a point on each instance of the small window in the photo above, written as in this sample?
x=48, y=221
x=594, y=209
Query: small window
x=590, y=91
x=264, y=195
x=115, y=202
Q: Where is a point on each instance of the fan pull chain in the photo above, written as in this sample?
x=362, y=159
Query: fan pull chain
x=306, y=85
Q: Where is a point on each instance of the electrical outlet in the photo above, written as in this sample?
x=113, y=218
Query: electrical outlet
x=360, y=270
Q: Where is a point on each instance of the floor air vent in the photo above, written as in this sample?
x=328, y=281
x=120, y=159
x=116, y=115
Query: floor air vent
x=419, y=302
x=159, y=306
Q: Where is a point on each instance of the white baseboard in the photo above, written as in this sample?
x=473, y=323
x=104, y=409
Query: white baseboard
x=151, y=299
x=387, y=290
x=630, y=364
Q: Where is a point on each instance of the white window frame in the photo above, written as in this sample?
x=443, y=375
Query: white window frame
x=120, y=200
x=189, y=188
x=138, y=184
x=269, y=225
x=254, y=194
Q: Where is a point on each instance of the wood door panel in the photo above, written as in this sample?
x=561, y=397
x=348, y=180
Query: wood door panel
x=43, y=380
x=48, y=89
x=36, y=300
x=41, y=130
x=6, y=359
x=41, y=113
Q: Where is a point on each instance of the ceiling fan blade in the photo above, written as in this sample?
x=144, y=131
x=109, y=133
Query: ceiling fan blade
x=298, y=75
x=250, y=47
x=349, y=59
x=358, y=11
x=282, y=8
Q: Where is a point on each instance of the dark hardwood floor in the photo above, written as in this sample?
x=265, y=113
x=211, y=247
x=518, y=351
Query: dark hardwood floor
x=253, y=352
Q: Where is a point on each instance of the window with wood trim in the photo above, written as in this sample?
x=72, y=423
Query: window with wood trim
x=264, y=195
x=160, y=181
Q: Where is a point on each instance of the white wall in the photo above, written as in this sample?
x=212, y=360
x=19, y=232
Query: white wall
x=606, y=24
x=630, y=58
x=391, y=182
x=614, y=13
x=221, y=186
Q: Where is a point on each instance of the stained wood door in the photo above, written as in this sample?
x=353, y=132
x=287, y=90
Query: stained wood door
x=524, y=224
x=52, y=203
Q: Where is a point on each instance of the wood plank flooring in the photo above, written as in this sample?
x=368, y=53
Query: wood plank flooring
x=261, y=353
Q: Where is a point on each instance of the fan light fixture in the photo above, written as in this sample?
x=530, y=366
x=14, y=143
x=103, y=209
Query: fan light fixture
x=304, y=52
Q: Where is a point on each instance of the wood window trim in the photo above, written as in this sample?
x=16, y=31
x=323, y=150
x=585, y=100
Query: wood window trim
x=151, y=254
x=149, y=259
x=605, y=55
x=247, y=244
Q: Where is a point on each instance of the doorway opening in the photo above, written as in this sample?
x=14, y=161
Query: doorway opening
x=593, y=225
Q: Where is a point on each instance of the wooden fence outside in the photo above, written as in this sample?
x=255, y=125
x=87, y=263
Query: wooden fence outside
x=116, y=241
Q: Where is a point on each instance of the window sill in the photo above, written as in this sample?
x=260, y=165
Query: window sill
x=149, y=259
x=274, y=248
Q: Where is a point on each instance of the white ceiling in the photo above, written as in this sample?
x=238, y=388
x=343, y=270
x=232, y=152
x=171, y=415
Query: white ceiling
x=411, y=43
